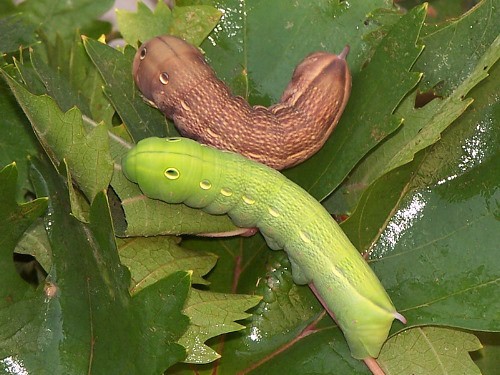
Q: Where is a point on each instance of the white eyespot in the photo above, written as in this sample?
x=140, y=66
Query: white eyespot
x=143, y=53
x=164, y=78
x=172, y=173
x=185, y=106
x=211, y=133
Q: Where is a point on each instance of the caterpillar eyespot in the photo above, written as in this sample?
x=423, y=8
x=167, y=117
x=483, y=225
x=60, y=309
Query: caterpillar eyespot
x=205, y=184
x=174, y=73
x=164, y=78
x=172, y=173
x=254, y=195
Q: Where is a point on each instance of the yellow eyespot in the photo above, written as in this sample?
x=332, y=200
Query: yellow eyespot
x=273, y=212
x=205, y=184
x=248, y=200
x=172, y=173
x=305, y=236
x=226, y=192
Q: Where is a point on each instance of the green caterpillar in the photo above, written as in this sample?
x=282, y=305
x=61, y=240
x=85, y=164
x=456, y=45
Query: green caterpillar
x=180, y=170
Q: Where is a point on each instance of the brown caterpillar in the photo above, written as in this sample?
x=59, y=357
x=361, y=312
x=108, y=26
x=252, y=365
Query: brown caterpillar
x=174, y=75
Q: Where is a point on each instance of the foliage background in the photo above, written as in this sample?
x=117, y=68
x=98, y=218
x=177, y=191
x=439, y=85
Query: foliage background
x=412, y=164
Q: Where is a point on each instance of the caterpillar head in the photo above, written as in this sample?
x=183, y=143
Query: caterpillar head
x=166, y=67
x=165, y=168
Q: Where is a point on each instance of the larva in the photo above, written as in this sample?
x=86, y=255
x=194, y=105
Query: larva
x=180, y=170
x=175, y=77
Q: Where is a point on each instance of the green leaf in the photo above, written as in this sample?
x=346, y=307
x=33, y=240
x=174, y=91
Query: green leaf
x=56, y=82
x=430, y=226
x=487, y=358
x=84, y=313
x=17, y=140
x=288, y=329
x=455, y=48
x=115, y=67
x=14, y=218
x=62, y=17
x=80, y=207
x=35, y=242
x=63, y=137
x=439, y=10
x=21, y=307
x=71, y=78
x=212, y=314
x=257, y=44
x=241, y=261
x=195, y=23
x=192, y=23
x=439, y=242
x=25, y=74
x=151, y=259
x=16, y=33
x=422, y=127
x=161, y=322
x=143, y=24
x=430, y=350
x=7, y=7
